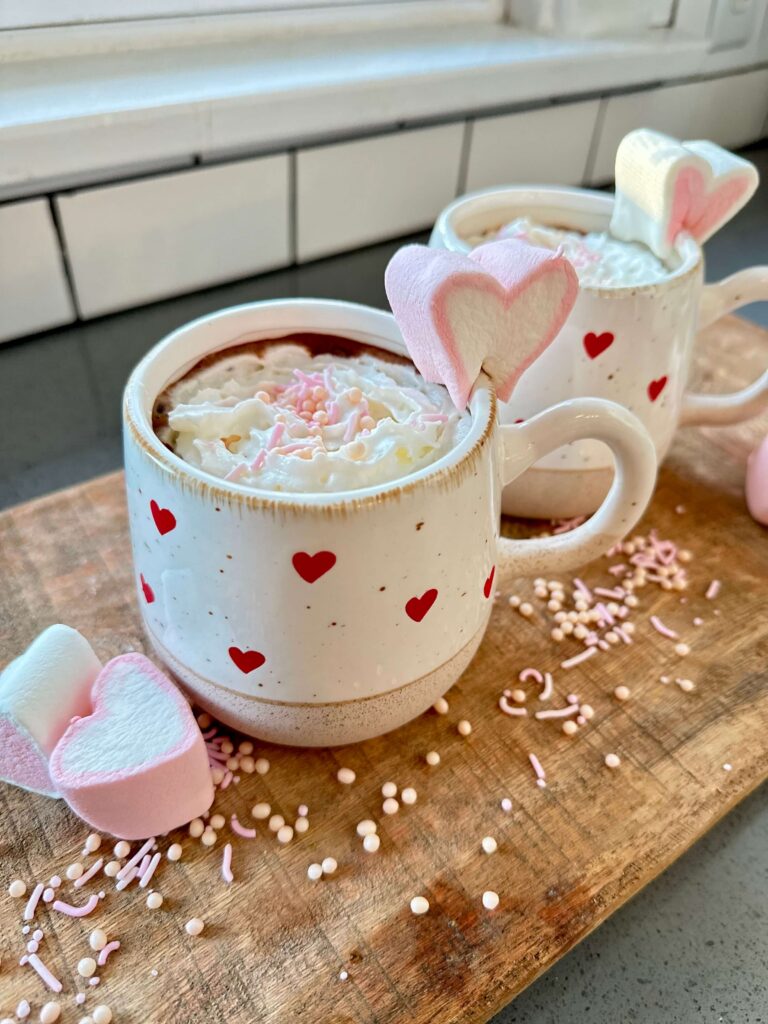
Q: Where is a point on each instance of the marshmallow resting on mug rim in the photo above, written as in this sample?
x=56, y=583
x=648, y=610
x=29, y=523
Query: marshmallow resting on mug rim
x=495, y=309
x=664, y=187
x=40, y=692
x=138, y=765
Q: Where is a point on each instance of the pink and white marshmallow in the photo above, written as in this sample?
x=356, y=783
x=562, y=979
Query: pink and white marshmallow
x=664, y=187
x=137, y=766
x=495, y=309
x=40, y=692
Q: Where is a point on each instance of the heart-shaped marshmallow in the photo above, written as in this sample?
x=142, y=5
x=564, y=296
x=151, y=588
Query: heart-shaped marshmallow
x=664, y=187
x=496, y=310
x=137, y=766
x=39, y=693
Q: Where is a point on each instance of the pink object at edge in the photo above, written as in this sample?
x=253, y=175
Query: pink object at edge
x=756, y=485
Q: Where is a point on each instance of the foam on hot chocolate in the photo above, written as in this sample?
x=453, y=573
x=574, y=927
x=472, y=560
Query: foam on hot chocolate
x=600, y=260
x=284, y=418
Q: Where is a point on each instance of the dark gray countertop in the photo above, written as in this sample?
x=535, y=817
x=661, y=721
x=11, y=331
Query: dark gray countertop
x=693, y=946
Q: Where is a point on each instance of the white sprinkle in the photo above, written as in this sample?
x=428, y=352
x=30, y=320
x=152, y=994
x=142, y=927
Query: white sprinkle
x=111, y=869
x=101, y=1014
x=17, y=888
x=366, y=827
x=174, y=852
x=409, y=795
x=122, y=849
x=87, y=967
x=276, y=822
x=587, y=711
x=419, y=905
x=441, y=706
x=621, y=693
x=464, y=728
x=526, y=609
x=303, y=810
x=506, y=804
x=686, y=685
x=92, y=843
x=389, y=789
x=314, y=872
x=196, y=827
x=682, y=650
x=262, y=766
x=154, y=901
x=371, y=843
x=329, y=865
x=209, y=837
x=74, y=871
x=727, y=767
x=301, y=825
x=432, y=758
x=612, y=760
x=570, y=728
x=390, y=806
x=490, y=899
x=97, y=940
x=343, y=975
x=346, y=776
x=285, y=834
x=194, y=926
x=489, y=844
x=217, y=821
x=23, y=1009
x=261, y=811
x=50, y=1013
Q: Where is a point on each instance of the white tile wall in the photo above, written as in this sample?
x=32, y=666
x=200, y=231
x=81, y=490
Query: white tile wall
x=33, y=289
x=547, y=146
x=728, y=110
x=358, y=192
x=144, y=240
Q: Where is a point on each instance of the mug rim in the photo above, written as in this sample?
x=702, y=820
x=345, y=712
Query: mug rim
x=577, y=199
x=377, y=325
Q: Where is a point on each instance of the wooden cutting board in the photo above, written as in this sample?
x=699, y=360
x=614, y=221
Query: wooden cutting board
x=569, y=855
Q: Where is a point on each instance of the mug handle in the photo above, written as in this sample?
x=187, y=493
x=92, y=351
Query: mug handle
x=750, y=285
x=631, y=490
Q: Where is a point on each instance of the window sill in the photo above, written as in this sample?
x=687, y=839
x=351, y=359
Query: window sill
x=101, y=116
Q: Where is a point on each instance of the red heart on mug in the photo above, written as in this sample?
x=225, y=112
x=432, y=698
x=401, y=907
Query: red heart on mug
x=595, y=344
x=312, y=567
x=418, y=607
x=489, y=583
x=246, y=661
x=656, y=387
x=165, y=520
x=149, y=594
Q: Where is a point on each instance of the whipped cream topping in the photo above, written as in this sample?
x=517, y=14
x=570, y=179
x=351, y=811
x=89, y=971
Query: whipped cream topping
x=599, y=259
x=287, y=420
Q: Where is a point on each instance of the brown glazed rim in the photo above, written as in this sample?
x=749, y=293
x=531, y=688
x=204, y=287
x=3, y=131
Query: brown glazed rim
x=445, y=473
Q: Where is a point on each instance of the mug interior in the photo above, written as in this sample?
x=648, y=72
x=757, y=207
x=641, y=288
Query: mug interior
x=181, y=350
x=568, y=208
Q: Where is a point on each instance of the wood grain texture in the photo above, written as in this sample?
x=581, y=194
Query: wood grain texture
x=568, y=855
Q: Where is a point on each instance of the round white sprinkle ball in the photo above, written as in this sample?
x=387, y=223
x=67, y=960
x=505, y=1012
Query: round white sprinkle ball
x=196, y=827
x=74, y=871
x=301, y=825
x=122, y=849
x=419, y=905
x=97, y=940
x=314, y=871
x=194, y=926
x=111, y=868
x=441, y=706
x=570, y=728
x=390, y=806
x=612, y=760
x=346, y=776
x=209, y=837
x=174, y=852
x=389, y=789
x=261, y=811
x=432, y=758
x=490, y=899
x=87, y=967
x=587, y=711
x=17, y=888
x=371, y=842
x=464, y=728
x=489, y=844
x=276, y=822
x=506, y=804
x=102, y=1014
x=409, y=795
x=154, y=901
x=329, y=865
x=217, y=821
x=262, y=766
x=366, y=827
x=50, y=1013
x=285, y=834
x=621, y=693
x=682, y=649
x=93, y=842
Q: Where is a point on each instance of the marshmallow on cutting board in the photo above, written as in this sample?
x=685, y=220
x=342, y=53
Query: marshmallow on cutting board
x=664, y=186
x=40, y=692
x=138, y=765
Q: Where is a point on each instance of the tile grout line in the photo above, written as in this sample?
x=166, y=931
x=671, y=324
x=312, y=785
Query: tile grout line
x=69, y=273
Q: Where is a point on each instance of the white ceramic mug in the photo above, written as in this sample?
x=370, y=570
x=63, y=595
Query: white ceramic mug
x=632, y=345
x=370, y=632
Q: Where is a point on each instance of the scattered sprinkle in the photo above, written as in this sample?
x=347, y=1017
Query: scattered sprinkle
x=727, y=767
x=346, y=776
x=50, y=1013
x=261, y=811
x=366, y=827
x=612, y=760
x=682, y=649
x=713, y=590
x=92, y=843
x=578, y=658
x=659, y=626
x=464, y=728
x=389, y=789
x=489, y=844
x=84, y=911
x=419, y=905
x=314, y=872
x=101, y=1014
x=390, y=806
x=154, y=901
x=97, y=940
x=329, y=865
x=432, y=758
x=409, y=795
x=490, y=899
x=110, y=948
x=622, y=693
x=87, y=967
x=538, y=770
x=194, y=926
x=17, y=888
x=371, y=842
x=441, y=706
x=226, y=864
x=506, y=804
x=285, y=834
x=174, y=852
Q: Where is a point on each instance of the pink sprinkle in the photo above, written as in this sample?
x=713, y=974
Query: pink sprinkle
x=32, y=946
x=236, y=473
x=617, y=570
x=211, y=733
x=572, y=698
x=603, y=645
x=713, y=590
x=582, y=588
x=94, y=981
x=84, y=911
x=615, y=595
x=124, y=882
x=34, y=899
x=80, y=998
x=549, y=687
x=150, y=870
x=226, y=780
x=277, y=432
x=572, y=709
x=136, y=857
x=104, y=954
x=530, y=673
x=226, y=864
x=509, y=709
x=258, y=462
x=605, y=615
x=87, y=875
x=246, y=833
x=536, y=765
x=578, y=658
x=50, y=980
x=698, y=621
x=659, y=626
x=621, y=632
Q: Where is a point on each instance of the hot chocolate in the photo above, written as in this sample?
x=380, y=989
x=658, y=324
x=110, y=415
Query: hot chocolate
x=307, y=414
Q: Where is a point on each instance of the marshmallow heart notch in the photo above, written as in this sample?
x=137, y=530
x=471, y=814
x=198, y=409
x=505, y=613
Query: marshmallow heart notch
x=137, y=766
x=39, y=693
x=665, y=187
x=496, y=309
